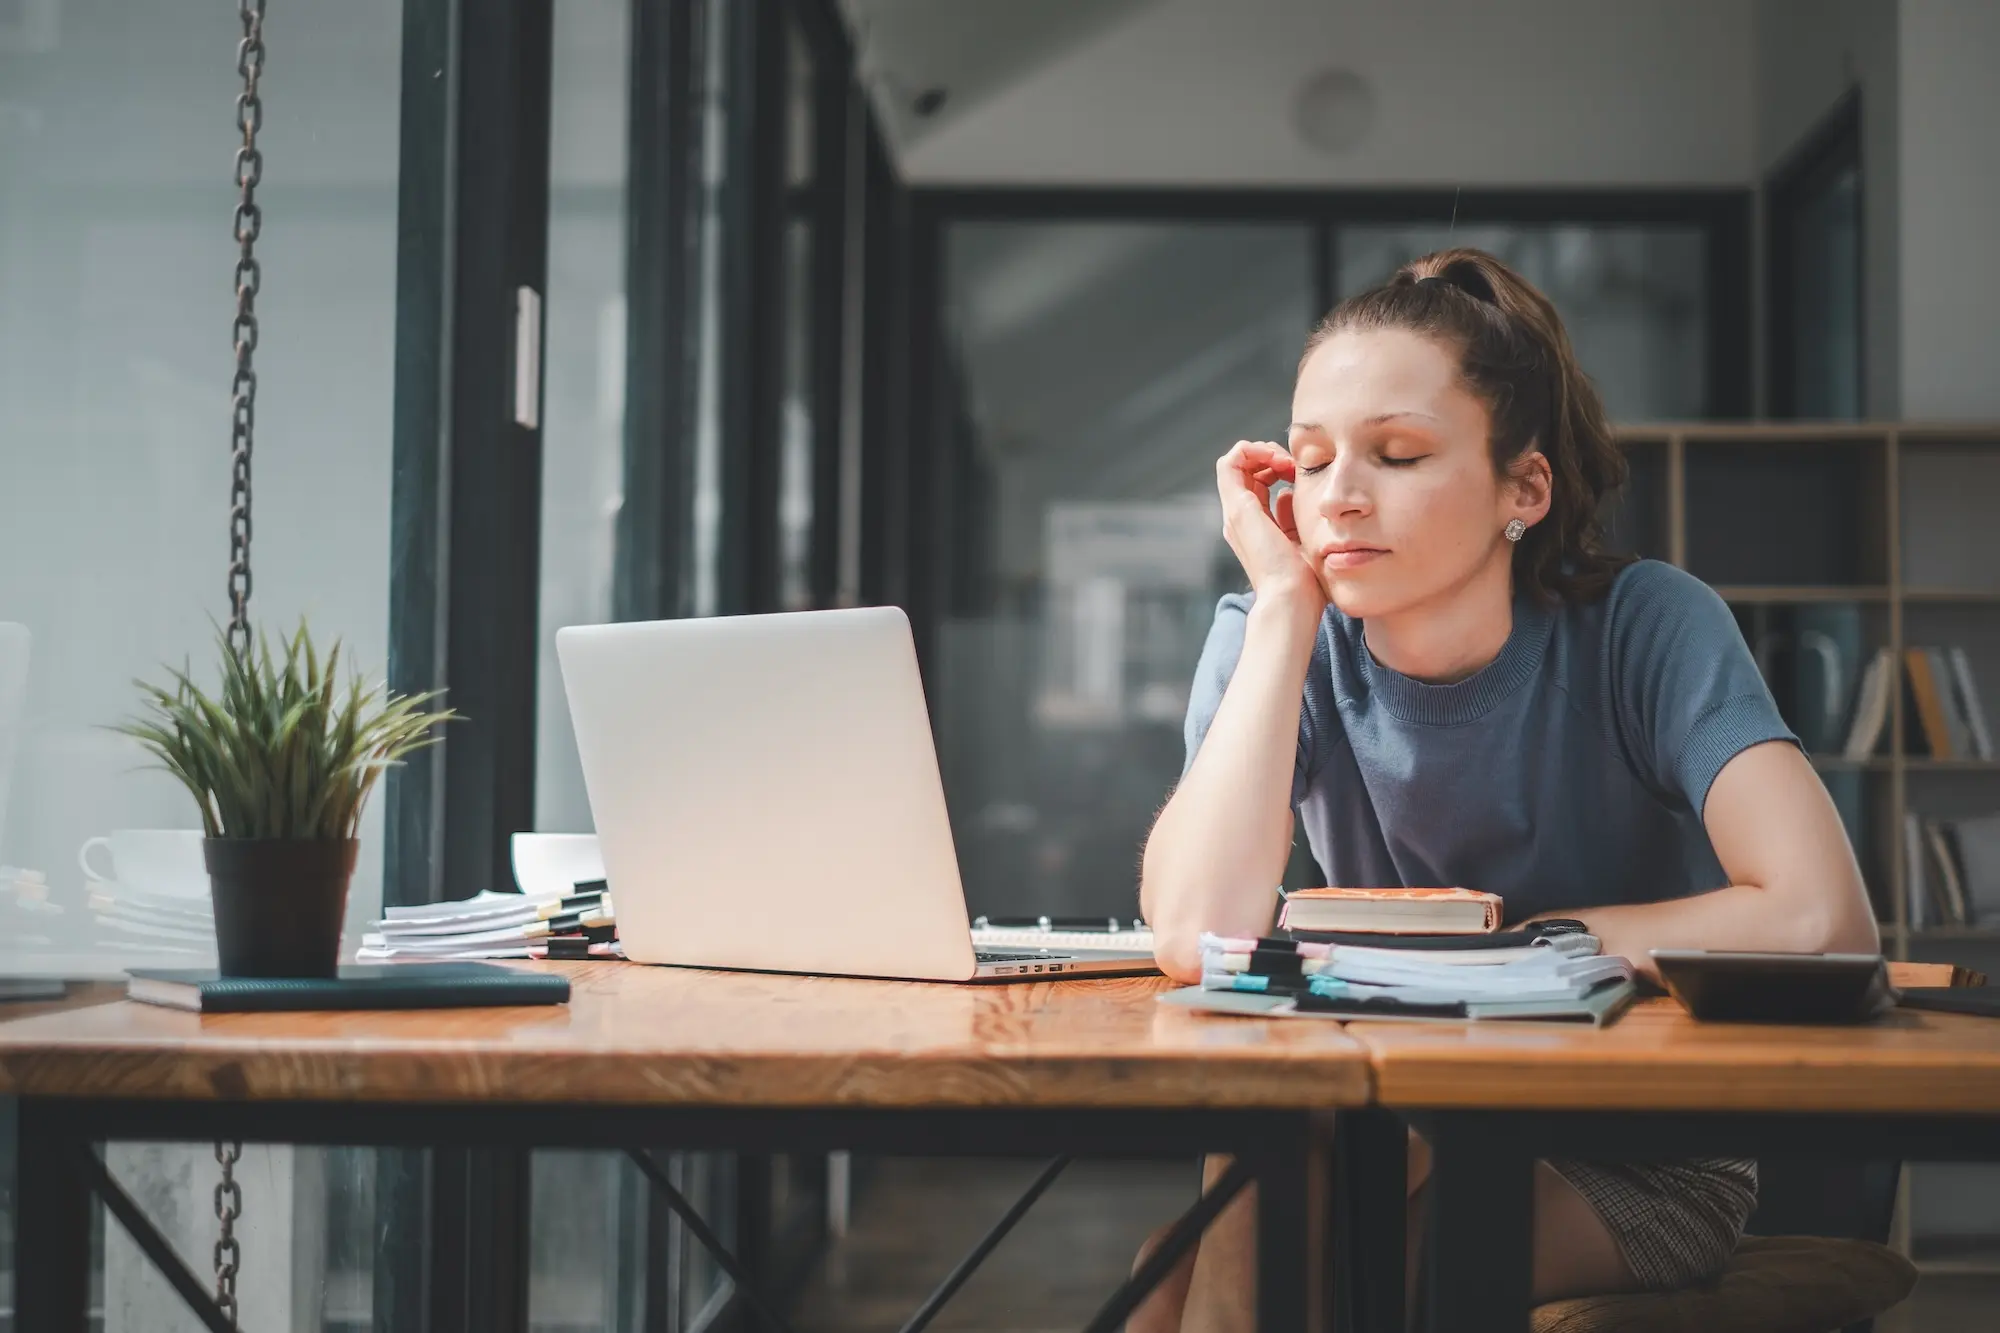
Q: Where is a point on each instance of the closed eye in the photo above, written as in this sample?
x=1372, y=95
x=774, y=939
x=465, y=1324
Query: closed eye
x=1309, y=471
x=1403, y=462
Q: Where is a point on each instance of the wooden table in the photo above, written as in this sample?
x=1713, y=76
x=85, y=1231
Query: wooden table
x=1492, y=1098
x=669, y=1058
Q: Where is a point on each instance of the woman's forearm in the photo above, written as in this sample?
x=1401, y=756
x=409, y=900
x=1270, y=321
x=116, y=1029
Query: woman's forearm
x=1219, y=848
x=1795, y=886
x=1741, y=916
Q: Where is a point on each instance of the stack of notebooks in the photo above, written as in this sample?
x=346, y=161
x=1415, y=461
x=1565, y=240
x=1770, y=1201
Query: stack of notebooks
x=1408, y=968
x=578, y=924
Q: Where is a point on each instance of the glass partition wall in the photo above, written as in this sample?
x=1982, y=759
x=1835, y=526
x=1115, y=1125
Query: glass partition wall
x=1094, y=356
x=116, y=259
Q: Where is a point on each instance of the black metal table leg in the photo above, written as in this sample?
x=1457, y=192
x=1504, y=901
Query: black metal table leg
x=480, y=1210
x=51, y=1225
x=1371, y=1146
x=1478, y=1268
x=1294, y=1258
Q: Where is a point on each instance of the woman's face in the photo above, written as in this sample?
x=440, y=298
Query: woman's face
x=1396, y=499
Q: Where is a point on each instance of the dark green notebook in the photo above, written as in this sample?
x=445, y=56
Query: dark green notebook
x=366, y=986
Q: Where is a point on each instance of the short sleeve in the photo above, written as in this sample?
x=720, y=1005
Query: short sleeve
x=1688, y=695
x=1219, y=655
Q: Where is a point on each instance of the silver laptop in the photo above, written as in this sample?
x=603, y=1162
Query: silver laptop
x=766, y=796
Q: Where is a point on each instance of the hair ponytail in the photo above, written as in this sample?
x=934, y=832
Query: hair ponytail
x=1515, y=357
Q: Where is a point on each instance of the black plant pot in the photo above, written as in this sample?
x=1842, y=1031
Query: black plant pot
x=279, y=903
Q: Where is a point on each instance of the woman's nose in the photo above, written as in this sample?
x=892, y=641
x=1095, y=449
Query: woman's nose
x=1346, y=491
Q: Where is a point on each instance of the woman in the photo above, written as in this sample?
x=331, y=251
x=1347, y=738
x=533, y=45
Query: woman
x=1443, y=675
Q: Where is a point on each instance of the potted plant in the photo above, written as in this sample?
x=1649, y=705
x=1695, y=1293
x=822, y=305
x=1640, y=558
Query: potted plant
x=281, y=762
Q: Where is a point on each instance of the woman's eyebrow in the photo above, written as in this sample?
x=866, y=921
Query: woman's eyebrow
x=1375, y=420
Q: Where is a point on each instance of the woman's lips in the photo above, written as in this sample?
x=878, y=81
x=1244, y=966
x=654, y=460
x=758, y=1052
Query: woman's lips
x=1351, y=557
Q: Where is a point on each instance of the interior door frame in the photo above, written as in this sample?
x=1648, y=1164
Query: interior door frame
x=1830, y=148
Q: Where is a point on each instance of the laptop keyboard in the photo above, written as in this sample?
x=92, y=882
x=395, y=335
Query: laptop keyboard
x=1068, y=941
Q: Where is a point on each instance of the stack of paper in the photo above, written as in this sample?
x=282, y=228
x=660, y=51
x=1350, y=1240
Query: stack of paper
x=498, y=925
x=152, y=923
x=1558, y=976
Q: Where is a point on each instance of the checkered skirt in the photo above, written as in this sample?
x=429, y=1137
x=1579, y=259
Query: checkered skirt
x=1675, y=1222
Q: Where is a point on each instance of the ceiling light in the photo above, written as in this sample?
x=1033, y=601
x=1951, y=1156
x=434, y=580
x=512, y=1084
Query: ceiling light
x=1333, y=110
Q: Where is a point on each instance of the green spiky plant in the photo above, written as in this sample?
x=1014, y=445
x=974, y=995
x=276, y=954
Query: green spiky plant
x=286, y=749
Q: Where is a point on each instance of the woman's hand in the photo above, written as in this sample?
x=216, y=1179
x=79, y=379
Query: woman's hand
x=1266, y=546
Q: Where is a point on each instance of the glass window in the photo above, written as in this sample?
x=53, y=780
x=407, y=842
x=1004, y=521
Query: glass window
x=587, y=1262
x=1825, y=293
x=116, y=260
x=1105, y=366
x=1635, y=298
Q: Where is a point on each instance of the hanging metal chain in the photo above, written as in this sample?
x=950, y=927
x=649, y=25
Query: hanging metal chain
x=249, y=277
x=248, y=223
x=228, y=1207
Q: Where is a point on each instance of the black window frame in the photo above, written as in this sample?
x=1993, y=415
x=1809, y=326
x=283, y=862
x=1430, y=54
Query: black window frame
x=1833, y=146
x=474, y=207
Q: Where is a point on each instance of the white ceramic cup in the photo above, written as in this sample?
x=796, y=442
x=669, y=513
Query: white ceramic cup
x=150, y=860
x=554, y=862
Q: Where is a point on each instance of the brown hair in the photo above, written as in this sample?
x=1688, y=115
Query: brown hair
x=1515, y=357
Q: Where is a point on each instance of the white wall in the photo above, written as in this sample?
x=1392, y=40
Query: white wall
x=1809, y=54
x=1531, y=92
x=1949, y=151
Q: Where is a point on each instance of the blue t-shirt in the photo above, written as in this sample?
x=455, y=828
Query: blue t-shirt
x=1568, y=772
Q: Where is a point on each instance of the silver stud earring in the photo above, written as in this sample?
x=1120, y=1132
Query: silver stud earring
x=1515, y=527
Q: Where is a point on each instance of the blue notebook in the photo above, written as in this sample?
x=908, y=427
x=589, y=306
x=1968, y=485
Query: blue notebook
x=366, y=986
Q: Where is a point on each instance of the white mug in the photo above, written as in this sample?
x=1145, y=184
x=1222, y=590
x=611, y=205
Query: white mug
x=555, y=862
x=150, y=860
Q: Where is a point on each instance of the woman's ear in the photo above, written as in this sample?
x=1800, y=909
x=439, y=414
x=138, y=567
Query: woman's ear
x=1529, y=487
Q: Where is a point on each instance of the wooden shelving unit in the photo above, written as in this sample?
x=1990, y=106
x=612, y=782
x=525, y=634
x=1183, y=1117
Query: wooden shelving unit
x=1890, y=930
x=1899, y=521
x=1797, y=595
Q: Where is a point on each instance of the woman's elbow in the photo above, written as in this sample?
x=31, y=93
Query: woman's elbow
x=1844, y=927
x=1176, y=943
x=1178, y=956
x=1858, y=933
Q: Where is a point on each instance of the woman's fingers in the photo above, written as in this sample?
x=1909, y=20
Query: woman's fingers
x=1255, y=465
x=1287, y=524
x=1249, y=457
x=1263, y=535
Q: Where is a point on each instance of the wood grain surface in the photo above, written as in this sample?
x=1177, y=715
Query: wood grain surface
x=1934, y=974
x=1657, y=1058
x=633, y=1034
